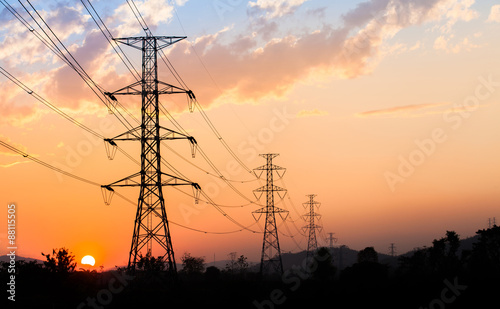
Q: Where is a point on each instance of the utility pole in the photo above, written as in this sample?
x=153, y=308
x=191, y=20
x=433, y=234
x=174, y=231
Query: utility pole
x=270, y=260
x=392, y=249
x=151, y=223
x=312, y=243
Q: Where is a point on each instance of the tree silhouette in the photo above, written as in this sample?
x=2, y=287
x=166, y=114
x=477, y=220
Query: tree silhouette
x=325, y=269
x=150, y=263
x=192, y=265
x=368, y=254
x=61, y=261
x=236, y=265
x=485, y=257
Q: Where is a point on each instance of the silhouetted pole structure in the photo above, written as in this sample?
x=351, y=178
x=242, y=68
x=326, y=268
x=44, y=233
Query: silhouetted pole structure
x=331, y=240
x=270, y=260
x=312, y=243
x=494, y=222
x=151, y=224
x=392, y=249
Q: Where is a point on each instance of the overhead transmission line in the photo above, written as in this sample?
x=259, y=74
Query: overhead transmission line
x=47, y=103
x=32, y=158
x=56, y=109
x=48, y=40
x=89, y=81
x=179, y=79
x=93, y=183
x=107, y=34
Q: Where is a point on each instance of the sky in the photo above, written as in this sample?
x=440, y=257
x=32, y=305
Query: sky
x=386, y=110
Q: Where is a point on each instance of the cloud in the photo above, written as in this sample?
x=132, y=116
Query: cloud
x=273, y=68
x=443, y=43
x=311, y=113
x=16, y=106
x=276, y=8
x=402, y=111
x=494, y=14
x=13, y=164
x=6, y=152
x=456, y=11
x=242, y=67
x=154, y=12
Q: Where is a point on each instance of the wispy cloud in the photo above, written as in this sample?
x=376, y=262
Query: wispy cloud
x=311, y=113
x=276, y=8
x=494, y=14
x=7, y=152
x=13, y=164
x=413, y=110
x=246, y=67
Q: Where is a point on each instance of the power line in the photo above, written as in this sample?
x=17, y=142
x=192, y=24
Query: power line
x=58, y=170
x=32, y=158
x=179, y=79
x=21, y=85
x=109, y=38
x=52, y=46
x=47, y=103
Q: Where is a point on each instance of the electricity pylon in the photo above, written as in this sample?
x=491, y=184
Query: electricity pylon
x=392, y=249
x=151, y=224
x=331, y=240
x=312, y=243
x=270, y=260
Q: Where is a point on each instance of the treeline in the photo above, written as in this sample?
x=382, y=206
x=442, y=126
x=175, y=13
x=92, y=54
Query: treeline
x=440, y=276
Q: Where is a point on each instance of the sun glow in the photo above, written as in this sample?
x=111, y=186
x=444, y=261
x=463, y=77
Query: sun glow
x=89, y=260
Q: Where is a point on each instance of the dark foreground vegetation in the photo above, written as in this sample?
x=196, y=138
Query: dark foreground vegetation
x=441, y=276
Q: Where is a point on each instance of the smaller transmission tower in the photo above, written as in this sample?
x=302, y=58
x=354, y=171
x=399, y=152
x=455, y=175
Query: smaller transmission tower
x=494, y=222
x=270, y=260
x=392, y=249
x=312, y=243
x=331, y=240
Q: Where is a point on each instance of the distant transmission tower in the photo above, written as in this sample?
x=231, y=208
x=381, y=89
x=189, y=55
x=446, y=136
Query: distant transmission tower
x=331, y=240
x=270, y=260
x=392, y=249
x=312, y=243
x=494, y=222
x=151, y=224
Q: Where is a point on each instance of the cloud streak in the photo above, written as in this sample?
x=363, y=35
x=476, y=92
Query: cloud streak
x=311, y=113
x=401, y=111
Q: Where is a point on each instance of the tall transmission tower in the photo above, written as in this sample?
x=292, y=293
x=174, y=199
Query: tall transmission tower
x=312, y=243
x=270, y=260
x=151, y=224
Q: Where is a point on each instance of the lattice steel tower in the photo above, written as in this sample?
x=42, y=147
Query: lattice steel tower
x=151, y=224
x=270, y=260
x=392, y=249
x=311, y=227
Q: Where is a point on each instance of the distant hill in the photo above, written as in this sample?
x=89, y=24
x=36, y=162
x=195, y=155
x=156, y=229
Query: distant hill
x=6, y=258
x=343, y=256
x=465, y=244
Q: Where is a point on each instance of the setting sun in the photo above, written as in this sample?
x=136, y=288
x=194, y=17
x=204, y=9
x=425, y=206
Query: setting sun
x=89, y=260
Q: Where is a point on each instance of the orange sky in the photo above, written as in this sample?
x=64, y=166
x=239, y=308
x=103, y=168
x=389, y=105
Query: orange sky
x=386, y=110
